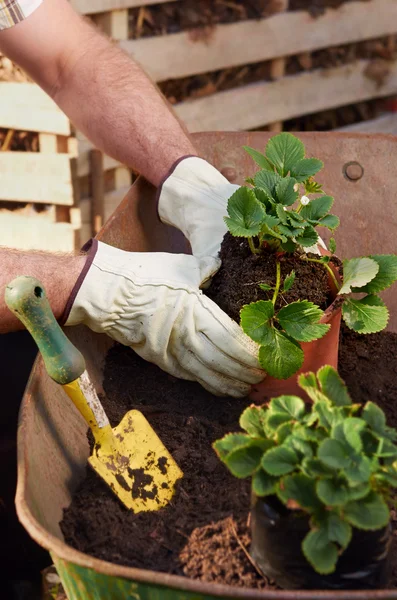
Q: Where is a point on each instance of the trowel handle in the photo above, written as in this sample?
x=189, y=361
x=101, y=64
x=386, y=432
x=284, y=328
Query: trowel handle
x=26, y=298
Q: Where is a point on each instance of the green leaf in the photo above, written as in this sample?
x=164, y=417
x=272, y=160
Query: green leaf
x=333, y=386
x=267, y=182
x=357, y=272
x=308, y=238
x=244, y=461
x=352, y=428
x=283, y=430
x=245, y=213
x=374, y=417
x=359, y=471
x=334, y=454
x=231, y=442
x=386, y=449
x=270, y=221
x=293, y=406
x=289, y=281
x=317, y=208
x=285, y=191
x=263, y=198
x=386, y=275
x=284, y=151
x=259, y=158
x=332, y=245
x=299, y=445
x=263, y=484
x=329, y=221
x=255, y=318
x=281, y=214
x=301, y=489
x=265, y=287
x=296, y=219
x=280, y=356
x=289, y=246
x=288, y=230
x=369, y=513
x=320, y=552
x=301, y=321
x=307, y=167
x=312, y=187
x=252, y=419
x=307, y=380
x=332, y=492
x=279, y=461
x=386, y=479
x=339, y=531
x=367, y=315
x=313, y=467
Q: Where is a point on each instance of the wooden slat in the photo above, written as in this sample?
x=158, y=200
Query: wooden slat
x=181, y=55
x=383, y=124
x=36, y=177
x=27, y=233
x=89, y=7
x=259, y=104
x=83, y=160
x=25, y=106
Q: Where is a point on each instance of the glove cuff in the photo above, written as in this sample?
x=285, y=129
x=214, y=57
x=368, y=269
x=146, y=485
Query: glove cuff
x=90, y=248
x=166, y=176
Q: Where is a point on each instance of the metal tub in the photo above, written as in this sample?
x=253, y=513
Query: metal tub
x=52, y=442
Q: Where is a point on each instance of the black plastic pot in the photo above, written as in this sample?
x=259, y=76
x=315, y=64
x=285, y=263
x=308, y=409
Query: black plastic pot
x=277, y=535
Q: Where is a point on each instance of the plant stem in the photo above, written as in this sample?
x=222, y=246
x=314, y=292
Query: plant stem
x=330, y=271
x=252, y=246
x=278, y=280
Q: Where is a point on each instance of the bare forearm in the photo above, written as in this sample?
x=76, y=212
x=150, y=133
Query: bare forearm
x=57, y=273
x=103, y=91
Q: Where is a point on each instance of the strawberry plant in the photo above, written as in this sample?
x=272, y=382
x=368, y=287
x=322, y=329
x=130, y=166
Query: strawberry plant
x=276, y=212
x=335, y=461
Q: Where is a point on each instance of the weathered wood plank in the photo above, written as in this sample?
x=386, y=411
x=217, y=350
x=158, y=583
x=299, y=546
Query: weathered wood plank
x=259, y=104
x=83, y=159
x=181, y=54
x=25, y=106
x=383, y=124
x=26, y=233
x=89, y=7
x=36, y=177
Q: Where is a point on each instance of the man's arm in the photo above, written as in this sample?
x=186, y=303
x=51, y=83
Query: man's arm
x=58, y=274
x=104, y=92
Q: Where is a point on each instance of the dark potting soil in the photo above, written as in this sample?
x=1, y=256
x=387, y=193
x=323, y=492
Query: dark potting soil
x=236, y=282
x=204, y=534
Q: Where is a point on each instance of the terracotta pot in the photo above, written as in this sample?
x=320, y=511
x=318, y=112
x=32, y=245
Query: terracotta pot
x=316, y=354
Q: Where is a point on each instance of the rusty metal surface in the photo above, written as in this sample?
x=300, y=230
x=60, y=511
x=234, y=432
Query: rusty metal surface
x=52, y=445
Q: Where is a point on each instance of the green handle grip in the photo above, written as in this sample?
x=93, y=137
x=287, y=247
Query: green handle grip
x=27, y=300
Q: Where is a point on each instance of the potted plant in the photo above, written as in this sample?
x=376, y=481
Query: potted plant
x=321, y=480
x=277, y=278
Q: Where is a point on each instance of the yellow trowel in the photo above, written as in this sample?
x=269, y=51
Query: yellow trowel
x=130, y=458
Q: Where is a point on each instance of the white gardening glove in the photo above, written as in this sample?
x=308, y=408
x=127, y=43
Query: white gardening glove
x=152, y=303
x=194, y=199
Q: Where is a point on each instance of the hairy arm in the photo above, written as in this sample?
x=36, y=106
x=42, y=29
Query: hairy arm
x=104, y=92
x=58, y=274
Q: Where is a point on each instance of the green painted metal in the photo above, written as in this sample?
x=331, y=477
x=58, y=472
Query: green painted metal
x=26, y=298
x=81, y=583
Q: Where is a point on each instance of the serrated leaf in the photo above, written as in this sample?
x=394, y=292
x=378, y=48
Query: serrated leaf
x=252, y=419
x=308, y=237
x=284, y=151
x=332, y=492
x=387, y=479
x=317, y=208
x=300, y=488
x=359, y=471
x=231, y=442
x=244, y=461
x=280, y=356
x=320, y=552
x=267, y=182
x=332, y=245
x=352, y=428
x=307, y=380
x=357, y=272
x=386, y=449
x=263, y=484
x=296, y=219
x=367, y=315
x=301, y=321
x=374, y=417
x=259, y=158
x=255, y=319
x=285, y=191
x=339, y=531
x=270, y=221
x=299, y=445
x=289, y=281
x=288, y=231
x=281, y=214
x=279, y=461
x=263, y=198
x=386, y=275
x=284, y=430
x=289, y=246
x=334, y=454
x=293, y=406
x=245, y=213
x=312, y=187
x=330, y=221
x=333, y=386
x=369, y=513
x=313, y=467
x=265, y=287
x=307, y=167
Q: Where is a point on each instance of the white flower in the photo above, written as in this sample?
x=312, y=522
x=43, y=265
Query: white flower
x=305, y=200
